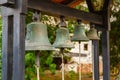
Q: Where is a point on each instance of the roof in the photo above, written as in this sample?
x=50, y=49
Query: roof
x=71, y=3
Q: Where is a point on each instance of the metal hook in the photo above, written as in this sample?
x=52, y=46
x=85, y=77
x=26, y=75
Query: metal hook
x=79, y=21
x=62, y=22
x=92, y=25
x=36, y=16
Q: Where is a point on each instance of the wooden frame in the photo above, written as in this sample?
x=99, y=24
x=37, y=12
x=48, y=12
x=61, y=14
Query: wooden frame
x=105, y=40
x=14, y=12
x=57, y=10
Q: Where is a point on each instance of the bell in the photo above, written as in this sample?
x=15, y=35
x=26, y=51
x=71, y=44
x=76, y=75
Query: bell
x=92, y=34
x=62, y=38
x=37, y=37
x=79, y=33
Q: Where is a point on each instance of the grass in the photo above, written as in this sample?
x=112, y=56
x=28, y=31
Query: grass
x=68, y=76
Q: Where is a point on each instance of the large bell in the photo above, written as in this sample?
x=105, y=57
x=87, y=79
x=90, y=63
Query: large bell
x=62, y=39
x=37, y=37
x=79, y=33
x=92, y=34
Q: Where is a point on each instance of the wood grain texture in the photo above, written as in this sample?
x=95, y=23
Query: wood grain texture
x=57, y=10
x=7, y=47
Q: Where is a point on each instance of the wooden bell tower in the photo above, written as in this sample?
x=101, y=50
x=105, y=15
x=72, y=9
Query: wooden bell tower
x=13, y=36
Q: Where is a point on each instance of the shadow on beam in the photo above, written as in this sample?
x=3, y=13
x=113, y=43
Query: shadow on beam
x=57, y=10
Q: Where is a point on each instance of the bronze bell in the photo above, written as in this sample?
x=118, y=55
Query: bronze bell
x=62, y=39
x=92, y=34
x=37, y=37
x=79, y=33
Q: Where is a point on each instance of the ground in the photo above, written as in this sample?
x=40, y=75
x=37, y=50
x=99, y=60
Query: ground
x=68, y=76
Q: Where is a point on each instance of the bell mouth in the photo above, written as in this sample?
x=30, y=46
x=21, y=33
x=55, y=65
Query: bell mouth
x=39, y=48
x=77, y=39
x=62, y=46
x=70, y=45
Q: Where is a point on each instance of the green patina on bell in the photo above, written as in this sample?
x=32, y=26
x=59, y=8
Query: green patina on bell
x=79, y=33
x=63, y=39
x=37, y=37
x=92, y=34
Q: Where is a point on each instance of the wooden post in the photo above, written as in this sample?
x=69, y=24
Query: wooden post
x=13, y=40
x=105, y=40
x=106, y=55
x=18, y=47
x=95, y=59
x=19, y=40
x=7, y=47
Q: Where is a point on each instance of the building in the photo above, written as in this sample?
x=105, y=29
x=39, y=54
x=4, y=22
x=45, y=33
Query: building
x=86, y=58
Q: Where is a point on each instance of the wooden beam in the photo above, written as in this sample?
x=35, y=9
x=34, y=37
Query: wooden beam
x=57, y=9
x=7, y=2
x=7, y=11
x=90, y=7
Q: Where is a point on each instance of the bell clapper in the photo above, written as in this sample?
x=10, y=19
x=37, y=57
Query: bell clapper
x=36, y=16
x=62, y=56
x=80, y=65
x=37, y=66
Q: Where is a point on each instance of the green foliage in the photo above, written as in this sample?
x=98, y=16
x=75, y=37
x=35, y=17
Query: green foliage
x=115, y=40
x=52, y=66
x=83, y=8
x=72, y=75
x=49, y=60
x=46, y=62
x=29, y=65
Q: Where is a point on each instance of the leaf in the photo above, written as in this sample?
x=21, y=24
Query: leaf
x=49, y=60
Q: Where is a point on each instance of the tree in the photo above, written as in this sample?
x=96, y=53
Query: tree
x=115, y=37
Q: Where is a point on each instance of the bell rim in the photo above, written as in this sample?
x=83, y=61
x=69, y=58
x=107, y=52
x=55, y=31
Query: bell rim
x=78, y=39
x=42, y=48
x=63, y=46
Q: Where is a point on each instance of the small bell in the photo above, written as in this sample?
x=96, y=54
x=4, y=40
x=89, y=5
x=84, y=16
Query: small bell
x=62, y=39
x=62, y=36
x=79, y=33
x=37, y=37
x=92, y=34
